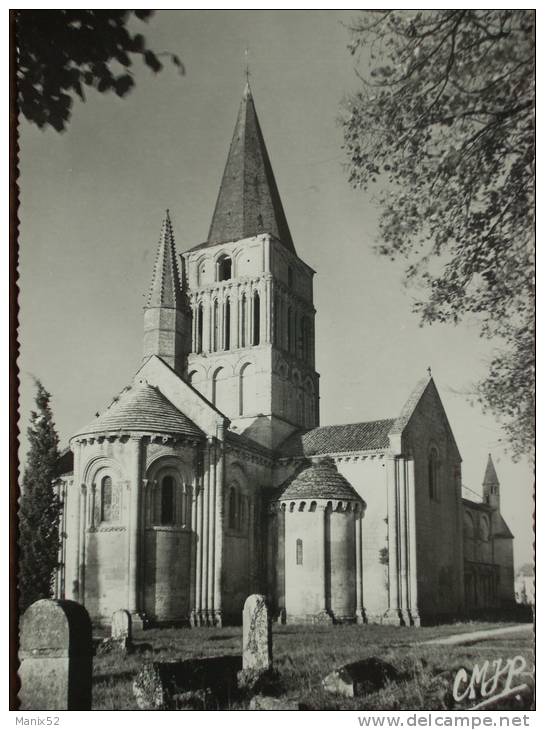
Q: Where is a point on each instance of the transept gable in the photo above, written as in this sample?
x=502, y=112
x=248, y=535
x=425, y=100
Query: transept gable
x=183, y=396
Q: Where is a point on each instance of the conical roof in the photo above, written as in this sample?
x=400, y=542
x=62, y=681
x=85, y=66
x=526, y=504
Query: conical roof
x=142, y=408
x=165, y=286
x=490, y=476
x=318, y=480
x=248, y=201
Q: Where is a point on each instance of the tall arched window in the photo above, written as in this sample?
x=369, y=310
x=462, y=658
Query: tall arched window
x=215, y=327
x=221, y=391
x=433, y=473
x=248, y=390
x=167, y=501
x=224, y=268
x=199, y=328
x=299, y=552
x=227, y=325
x=243, y=321
x=256, y=332
x=106, y=499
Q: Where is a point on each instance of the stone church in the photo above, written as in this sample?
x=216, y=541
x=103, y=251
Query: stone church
x=209, y=478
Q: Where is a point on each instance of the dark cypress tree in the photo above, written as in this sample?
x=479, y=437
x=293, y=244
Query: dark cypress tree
x=39, y=508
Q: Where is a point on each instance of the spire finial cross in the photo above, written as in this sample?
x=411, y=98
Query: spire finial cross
x=247, y=64
x=429, y=371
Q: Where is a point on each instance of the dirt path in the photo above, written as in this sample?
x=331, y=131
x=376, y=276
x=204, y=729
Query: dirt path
x=481, y=635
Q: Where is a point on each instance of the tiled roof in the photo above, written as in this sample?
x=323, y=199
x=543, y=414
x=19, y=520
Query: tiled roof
x=366, y=436
x=244, y=442
x=142, y=408
x=248, y=202
x=317, y=480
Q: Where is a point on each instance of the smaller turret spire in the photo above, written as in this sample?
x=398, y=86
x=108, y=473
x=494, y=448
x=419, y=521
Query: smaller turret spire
x=165, y=288
x=490, y=476
x=491, y=485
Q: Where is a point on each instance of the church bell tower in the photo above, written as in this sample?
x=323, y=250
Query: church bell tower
x=251, y=299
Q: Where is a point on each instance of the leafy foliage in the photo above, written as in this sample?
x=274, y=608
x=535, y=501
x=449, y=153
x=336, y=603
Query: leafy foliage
x=39, y=507
x=444, y=123
x=59, y=52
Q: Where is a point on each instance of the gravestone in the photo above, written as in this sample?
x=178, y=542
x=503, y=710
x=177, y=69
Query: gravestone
x=359, y=678
x=56, y=654
x=120, y=638
x=122, y=626
x=256, y=642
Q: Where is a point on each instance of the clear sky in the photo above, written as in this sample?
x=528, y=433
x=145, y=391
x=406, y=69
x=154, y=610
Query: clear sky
x=92, y=201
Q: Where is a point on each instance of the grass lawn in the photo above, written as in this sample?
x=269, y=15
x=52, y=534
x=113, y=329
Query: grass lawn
x=303, y=655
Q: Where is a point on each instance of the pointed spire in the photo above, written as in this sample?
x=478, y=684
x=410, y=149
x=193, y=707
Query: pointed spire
x=165, y=286
x=490, y=476
x=248, y=202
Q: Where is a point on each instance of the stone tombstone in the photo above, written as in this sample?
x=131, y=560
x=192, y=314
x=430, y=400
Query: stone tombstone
x=56, y=654
x=122, y=626
x=256, y=635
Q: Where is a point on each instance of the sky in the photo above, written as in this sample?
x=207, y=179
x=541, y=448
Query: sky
x=93, y=198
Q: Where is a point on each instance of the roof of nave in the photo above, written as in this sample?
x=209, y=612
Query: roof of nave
x=317, y=480
x=248, y=201
x=365, y=436
x=142, y=407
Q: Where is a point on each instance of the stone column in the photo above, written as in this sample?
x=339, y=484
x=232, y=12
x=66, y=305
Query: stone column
x=280, y=586
x=199, y=547
x=211, y=530
x=360, y=615
x=413, y=574
x=205, y=536
x=403, y=541
x=82, y=533
x=218, y=547
x=193, y=327
x=206, y=328
x=145, y=520
x=194, y=541
x=235, y=305
x=264, y=309
x=134, y=523
x=92, y=506
x=322, y=560
x=392, y=615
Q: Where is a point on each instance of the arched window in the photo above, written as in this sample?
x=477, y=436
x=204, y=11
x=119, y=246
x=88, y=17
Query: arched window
x=248, y=390
x=227, y=325
x=299, y=552
x=433, y=472
x=484, y=529
x=167, y=501
x=243, y=321
x=199, y=328
x=215, y=327
x=106, y=499
x=255, y=337
x=224, y=268
x=221, y=391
